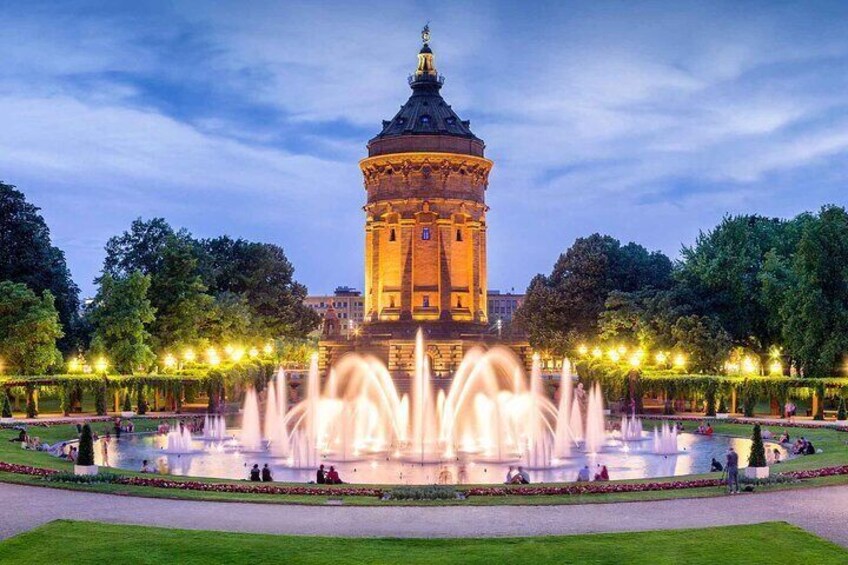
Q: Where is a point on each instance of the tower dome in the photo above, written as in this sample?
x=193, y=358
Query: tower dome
x=426, y=122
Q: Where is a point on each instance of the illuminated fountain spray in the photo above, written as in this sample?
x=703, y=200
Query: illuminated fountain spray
x=179, y=440
x=251, y=434
x=490, y=412
x=665, y=440
x=564, y=436
x=214, y=427
x=631, y=428
x=595, y=426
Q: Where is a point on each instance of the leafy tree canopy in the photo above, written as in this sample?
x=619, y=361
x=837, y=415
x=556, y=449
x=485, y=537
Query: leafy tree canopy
x=815, y=310
x=29, y=328
x=729, y=271
x=120, y=317
x=27, y=256
x=565, y=306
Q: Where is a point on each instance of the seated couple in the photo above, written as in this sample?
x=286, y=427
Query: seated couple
x=330, y=477
x=520, y=477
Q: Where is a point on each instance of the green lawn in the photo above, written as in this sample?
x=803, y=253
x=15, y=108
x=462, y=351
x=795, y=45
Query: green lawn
x=91, y=542
x=833, y=444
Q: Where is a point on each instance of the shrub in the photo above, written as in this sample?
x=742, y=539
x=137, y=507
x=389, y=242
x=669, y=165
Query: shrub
x=86, y=447
x=722, y=405
x=141, y=401
x=758, y=451
x=423, y=493
x=7, y=407
x=710, y=398
x=100, y=399
x=840, y=414
x=31, y=410
x=127, y=405
x=65, y=477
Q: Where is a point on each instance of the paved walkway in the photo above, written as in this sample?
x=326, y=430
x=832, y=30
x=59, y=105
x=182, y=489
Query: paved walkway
x=821, y=511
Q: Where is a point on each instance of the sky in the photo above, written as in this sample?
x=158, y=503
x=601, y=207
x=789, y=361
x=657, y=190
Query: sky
x=648, y=121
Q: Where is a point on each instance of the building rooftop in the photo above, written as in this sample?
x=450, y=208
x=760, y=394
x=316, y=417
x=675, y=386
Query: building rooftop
x=426, y=112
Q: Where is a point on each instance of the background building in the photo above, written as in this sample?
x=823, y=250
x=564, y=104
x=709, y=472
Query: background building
x=348, y=304
x=502, y=305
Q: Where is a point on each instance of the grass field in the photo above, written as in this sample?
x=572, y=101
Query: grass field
x=66, y=542
x=831, y=442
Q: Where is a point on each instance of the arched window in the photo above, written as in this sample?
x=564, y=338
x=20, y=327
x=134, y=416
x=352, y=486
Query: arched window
x=426, y=301
x=425, y=234
x=392, y=235
x=459, y=235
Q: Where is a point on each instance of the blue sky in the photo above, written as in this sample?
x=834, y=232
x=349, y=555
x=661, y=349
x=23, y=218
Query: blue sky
x=647, y=121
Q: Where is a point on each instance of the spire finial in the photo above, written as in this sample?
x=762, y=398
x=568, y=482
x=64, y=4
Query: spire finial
x=426, y=64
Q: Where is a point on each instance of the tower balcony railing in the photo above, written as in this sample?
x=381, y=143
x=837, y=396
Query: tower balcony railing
x=438, y=78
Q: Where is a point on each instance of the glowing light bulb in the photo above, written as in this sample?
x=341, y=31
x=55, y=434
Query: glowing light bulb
x=254, y=353
x=170, y=361
x=582, y=350
x=101, y=365
x=661, y=358
x=268, y=349
x=189, y=355
x=679, y=361
x=596, y=352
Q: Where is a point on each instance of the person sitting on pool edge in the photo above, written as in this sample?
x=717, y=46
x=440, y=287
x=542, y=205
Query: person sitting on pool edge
x=583, y=475
x=266, y=474
x=333, y=477
x=255, y=474
x=321, y=476
x=716, y=466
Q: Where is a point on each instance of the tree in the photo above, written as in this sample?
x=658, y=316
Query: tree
x=28, y=257
x=644, y=318
x=815, y=311
x=141, y=248
x=566, y=305
x=841, y=413
x=724, y=271
x=704, y=340
x=85, y=455
x=758, y=450
x=264, y=277
x=120, y=317
x=126, y=406
x=179, y=296
x=29, y=328
x=170, y=259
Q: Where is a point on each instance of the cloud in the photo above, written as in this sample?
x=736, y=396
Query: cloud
x=647, y=121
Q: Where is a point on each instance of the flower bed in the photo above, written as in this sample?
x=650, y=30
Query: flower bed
x=253, y=488
x=774, y=422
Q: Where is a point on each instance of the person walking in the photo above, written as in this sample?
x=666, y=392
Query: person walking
x=732, y=467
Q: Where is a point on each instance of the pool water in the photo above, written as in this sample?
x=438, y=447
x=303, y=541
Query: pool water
x=226, y=460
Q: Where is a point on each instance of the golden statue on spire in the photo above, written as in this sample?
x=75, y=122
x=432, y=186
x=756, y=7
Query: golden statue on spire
x=426, y=64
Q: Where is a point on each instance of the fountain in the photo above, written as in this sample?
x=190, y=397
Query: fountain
x=179, y=440
x=490, y=412
x=595, y=426
x=251, y=435
x=631, y=428
x=214, y=428
x=665, y=440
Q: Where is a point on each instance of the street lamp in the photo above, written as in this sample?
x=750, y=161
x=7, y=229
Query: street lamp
x=101, y=365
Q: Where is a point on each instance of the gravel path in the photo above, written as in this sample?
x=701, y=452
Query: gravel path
x=821, y=510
